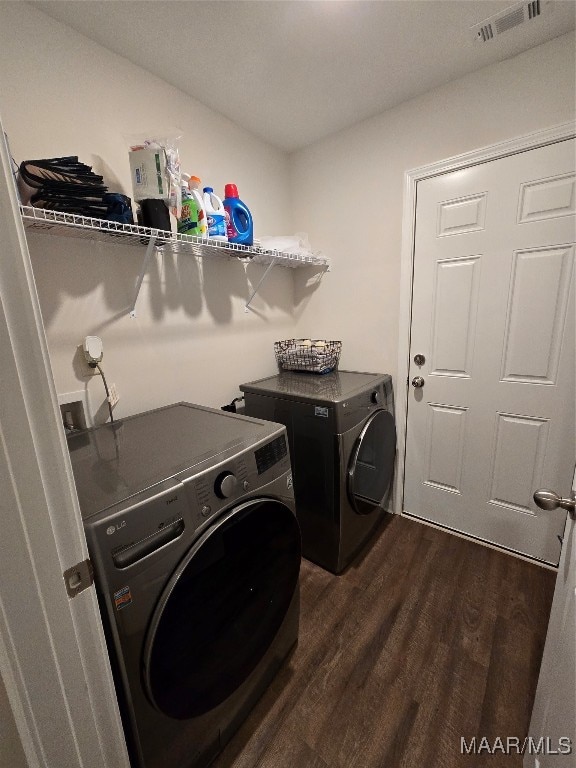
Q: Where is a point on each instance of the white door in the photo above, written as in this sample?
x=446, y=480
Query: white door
x=493, y=286
x=553, y=725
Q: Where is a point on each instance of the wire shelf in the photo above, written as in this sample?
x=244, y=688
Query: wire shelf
x=42, y=220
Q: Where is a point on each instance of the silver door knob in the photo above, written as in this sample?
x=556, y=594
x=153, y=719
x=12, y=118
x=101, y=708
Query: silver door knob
x=549, y=500
x=417, y=382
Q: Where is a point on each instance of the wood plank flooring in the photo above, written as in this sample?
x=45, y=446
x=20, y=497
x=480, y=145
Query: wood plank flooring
x=427, y=638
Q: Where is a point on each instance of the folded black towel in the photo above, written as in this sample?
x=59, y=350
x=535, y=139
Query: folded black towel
x=65, y=184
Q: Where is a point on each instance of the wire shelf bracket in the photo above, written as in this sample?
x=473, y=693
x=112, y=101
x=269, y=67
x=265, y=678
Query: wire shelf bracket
x=264, y=276
x=145, y=264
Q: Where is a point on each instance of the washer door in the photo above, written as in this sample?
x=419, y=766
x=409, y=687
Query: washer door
x=222, y=609
x=372, y=462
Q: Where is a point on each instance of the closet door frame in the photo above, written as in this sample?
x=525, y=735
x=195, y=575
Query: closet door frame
x=53, y=659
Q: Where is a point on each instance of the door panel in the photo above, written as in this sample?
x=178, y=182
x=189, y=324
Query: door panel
x=446, y=429
x=454, y=310
x=493, y=288
x=466, y=214
x=547, y=198
x=536, y=314
x=516, y=472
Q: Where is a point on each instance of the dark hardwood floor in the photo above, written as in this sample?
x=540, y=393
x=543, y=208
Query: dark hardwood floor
x=427, y=638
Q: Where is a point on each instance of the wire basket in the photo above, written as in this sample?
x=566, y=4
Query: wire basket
x=312, y=355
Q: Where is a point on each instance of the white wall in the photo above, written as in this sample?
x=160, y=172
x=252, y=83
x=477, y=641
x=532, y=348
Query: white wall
x=348, y=189
x=62, y=94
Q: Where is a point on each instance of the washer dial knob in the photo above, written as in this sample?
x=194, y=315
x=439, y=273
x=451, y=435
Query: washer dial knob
x=375, y=397
x=225, y=485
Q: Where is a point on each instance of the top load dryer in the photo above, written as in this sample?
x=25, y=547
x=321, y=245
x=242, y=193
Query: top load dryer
x=189, y=517
x=342, y=440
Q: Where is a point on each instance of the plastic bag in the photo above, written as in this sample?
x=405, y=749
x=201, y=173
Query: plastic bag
x=297, y=243
x=156, y=175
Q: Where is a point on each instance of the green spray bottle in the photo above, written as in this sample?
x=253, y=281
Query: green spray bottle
x=188, y=223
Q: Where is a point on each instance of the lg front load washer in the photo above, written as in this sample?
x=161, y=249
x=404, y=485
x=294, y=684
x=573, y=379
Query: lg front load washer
x=343, y=443
x=189, y=517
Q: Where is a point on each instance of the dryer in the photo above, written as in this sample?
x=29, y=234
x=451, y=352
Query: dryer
x=343, y=443
x=189, y=518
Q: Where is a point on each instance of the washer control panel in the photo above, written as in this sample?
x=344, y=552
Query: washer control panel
x=215, y=489
x=270, y=454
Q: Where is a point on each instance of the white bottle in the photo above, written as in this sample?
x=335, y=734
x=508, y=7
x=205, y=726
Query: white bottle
x=195, y=186
x=216, y=216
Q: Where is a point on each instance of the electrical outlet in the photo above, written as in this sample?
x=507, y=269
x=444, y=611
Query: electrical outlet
x=114, y=396
x=76, y=409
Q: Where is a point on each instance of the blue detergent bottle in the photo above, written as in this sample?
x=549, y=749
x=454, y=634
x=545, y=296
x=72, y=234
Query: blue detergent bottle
x=239, y=226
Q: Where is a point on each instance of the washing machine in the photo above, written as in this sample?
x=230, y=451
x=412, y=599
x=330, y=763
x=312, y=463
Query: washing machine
x=189, y=518
x=342, y=440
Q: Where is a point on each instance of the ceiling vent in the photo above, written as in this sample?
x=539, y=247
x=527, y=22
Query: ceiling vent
x=506, y=20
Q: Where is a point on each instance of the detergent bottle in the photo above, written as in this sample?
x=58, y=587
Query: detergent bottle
x=215, y=215
x=195, y=185
x=239, y=226
x=188, y=221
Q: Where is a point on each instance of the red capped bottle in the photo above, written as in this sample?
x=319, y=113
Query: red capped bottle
x=239, y=225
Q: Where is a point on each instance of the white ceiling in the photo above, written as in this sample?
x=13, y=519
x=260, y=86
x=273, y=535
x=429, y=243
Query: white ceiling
x=294, y=71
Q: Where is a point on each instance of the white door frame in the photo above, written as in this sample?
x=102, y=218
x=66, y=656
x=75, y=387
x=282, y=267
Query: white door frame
x=411, y=179
x=53, y=659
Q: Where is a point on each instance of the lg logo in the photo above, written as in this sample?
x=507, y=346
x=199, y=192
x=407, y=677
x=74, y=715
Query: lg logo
x=113, y=528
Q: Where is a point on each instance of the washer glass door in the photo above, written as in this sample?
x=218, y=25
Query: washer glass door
x=222, y=608
x=372, y=462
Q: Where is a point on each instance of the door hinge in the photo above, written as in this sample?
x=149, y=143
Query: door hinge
x=79, y=577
